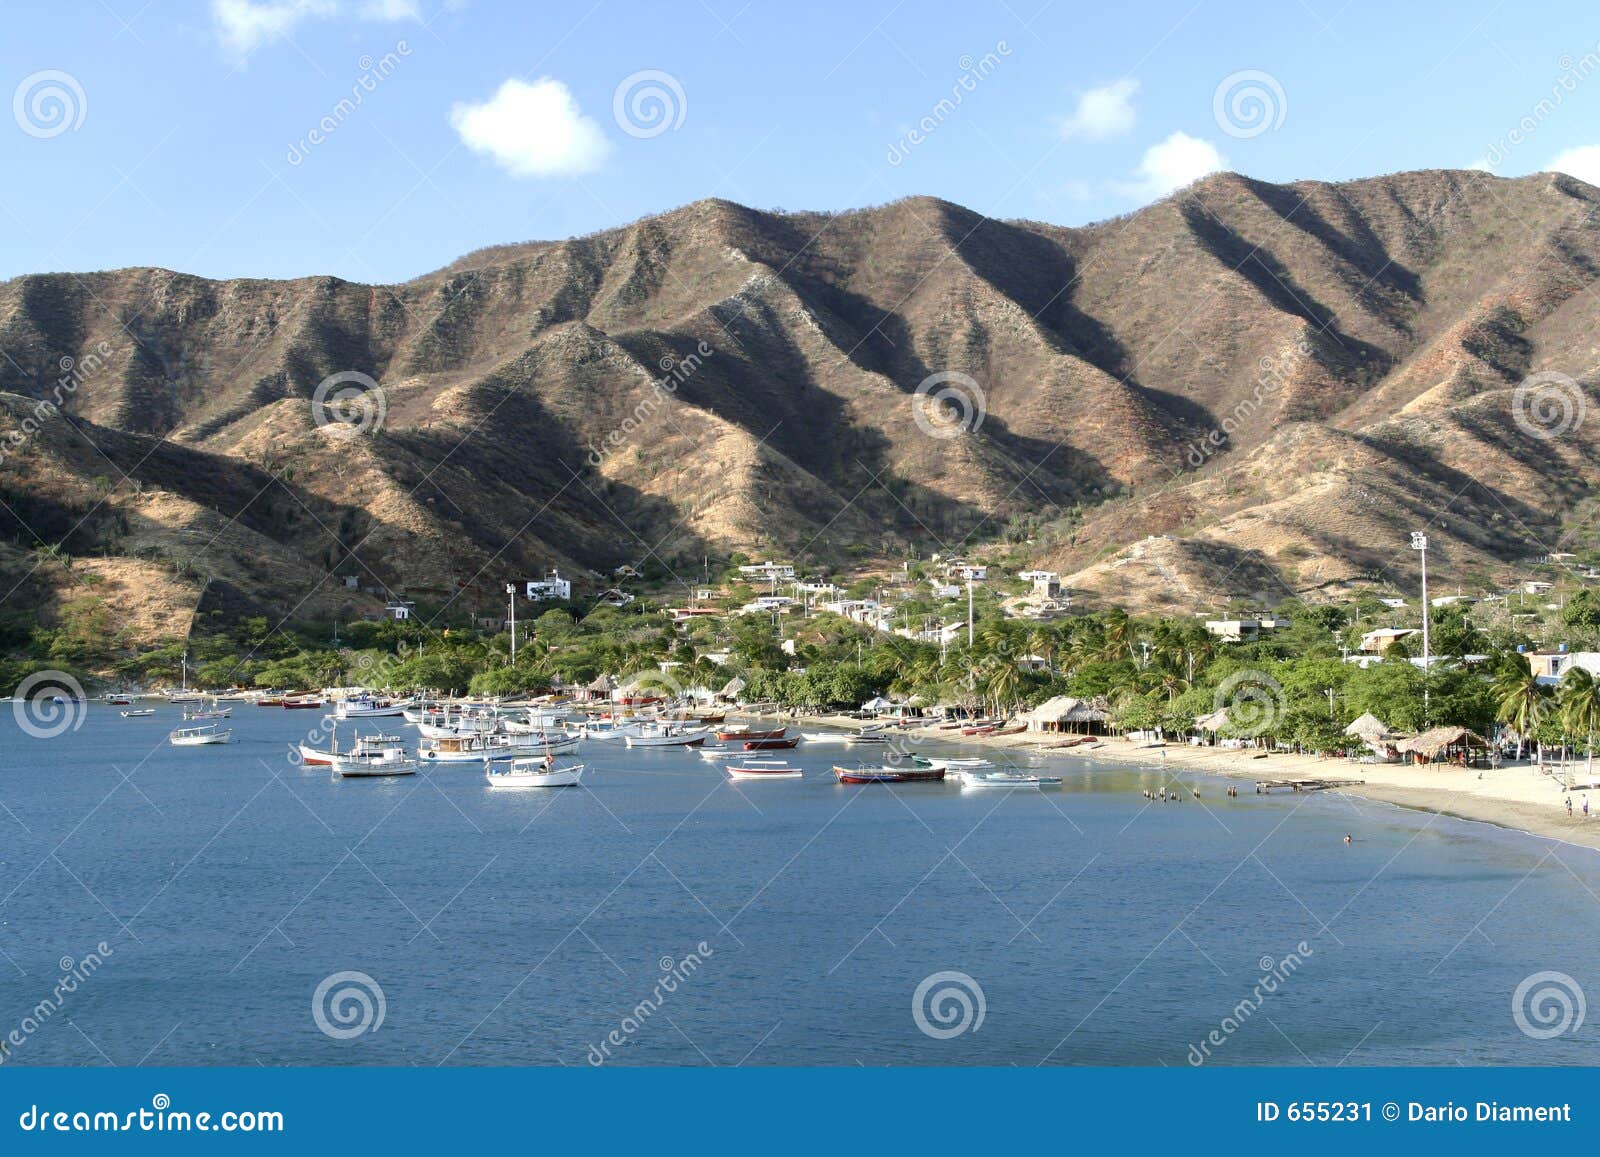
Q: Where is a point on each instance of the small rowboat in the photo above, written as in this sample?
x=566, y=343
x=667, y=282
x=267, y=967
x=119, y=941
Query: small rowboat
x=770, y=744
x=865, y=737
x=140, y=713
x=889, y=774
x=1004, y=779
x=302, y=704
x=763, y=769
x=218, y=713
x=824, y=736
x=744, y=734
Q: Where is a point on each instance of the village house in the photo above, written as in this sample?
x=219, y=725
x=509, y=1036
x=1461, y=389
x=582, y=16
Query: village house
x=1378, y=641
x=1549, y=665
x=1238, y=630
x=1046, y=583
x=768, y=572
x=552, y=586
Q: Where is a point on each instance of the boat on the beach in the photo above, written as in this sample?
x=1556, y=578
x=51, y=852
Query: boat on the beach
x=883, y=774
x=198, y=736
x=534, y=773
x=763, y=769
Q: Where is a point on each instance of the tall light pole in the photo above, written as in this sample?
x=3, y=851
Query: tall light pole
x=511, y=592
x=1419, y=543
x=969, y=612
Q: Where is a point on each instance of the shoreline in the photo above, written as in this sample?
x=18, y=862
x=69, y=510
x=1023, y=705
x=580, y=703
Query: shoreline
x=1518, y=797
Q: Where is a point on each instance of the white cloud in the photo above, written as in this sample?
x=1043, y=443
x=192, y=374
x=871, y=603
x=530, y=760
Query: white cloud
x=1582, y=162
x=245, y=25
x=1102, y=113
x=532, y=130
x=1174, y=163
x=1482, y=165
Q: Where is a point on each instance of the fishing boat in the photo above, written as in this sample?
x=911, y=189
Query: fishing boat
x=472, y=749
x=270, y=701
x=198, y=736
x=139, y=713
x=368, y=707
x=824, y=736
x=884, y=774
x=366, y=747
x=392, y=761
x=716, y=751
x=744, y=734
x=770, y=744
x=865, y=738
x=958, y=769
x=763, y=769
x=665, y=735
x=1004, y=779
x=302, y=703
x=214, y=713
x=230, y=698
x=119, y=701
x=535, y=773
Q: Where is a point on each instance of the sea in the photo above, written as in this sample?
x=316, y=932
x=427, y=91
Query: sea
x=225, y=905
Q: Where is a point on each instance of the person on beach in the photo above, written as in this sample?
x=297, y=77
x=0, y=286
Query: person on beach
x=1569, y=807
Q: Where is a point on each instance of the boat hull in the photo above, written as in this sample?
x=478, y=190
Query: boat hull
x=557, y=777
x=889, y=774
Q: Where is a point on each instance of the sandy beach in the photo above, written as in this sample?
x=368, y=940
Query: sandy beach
x=1520, y=796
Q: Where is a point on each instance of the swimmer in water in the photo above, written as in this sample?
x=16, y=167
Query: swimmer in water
x=1348, y=840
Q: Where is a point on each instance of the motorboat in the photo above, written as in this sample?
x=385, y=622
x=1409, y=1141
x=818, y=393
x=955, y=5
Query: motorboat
x=388, y=762
x=886, y=774
x=1008, y=779
x=137, y=713
x=368, y=747
x=665, y=735
x=198, y=736
x=534, y=773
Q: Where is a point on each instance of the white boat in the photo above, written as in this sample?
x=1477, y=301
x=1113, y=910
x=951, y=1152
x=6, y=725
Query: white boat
x=229, y=699
x=213, y=713
x=392, y=761
x=825, y=736
x=138, y=713
x=369, y=707
x=959, y=769
x=368, y=747
x=198, y=736
x=763, y=769
x=716, y=751
x=1008, y=779
x=666, y=735
x=534, y=773
x=865, y=737
x=474, y=749
x=603, y=730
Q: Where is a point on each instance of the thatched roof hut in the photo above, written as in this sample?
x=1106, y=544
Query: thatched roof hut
x=1371, y=730
x=1066, y=713
x=1216, y=721
x=1446, y=744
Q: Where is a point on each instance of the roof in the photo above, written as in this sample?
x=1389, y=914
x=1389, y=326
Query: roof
x=1216, y=721
x=1435, y=740
x=1068, y=709
x=1368, y=727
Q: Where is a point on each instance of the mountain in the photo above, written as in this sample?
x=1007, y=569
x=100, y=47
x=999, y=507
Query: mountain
x=1246, y=388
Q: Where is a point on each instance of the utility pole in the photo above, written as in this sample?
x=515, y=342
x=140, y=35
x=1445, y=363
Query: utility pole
x=969, y=612
x=1419, y=543
x=511, y=592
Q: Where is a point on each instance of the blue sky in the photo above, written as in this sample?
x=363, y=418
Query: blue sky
x=181, y=134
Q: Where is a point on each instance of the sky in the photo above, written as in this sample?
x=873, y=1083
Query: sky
x=377, y=140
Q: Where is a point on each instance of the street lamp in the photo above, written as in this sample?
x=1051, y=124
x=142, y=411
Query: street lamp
x=1419, y=543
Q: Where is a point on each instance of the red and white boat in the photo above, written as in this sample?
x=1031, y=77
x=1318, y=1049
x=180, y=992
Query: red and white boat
x=763, y=769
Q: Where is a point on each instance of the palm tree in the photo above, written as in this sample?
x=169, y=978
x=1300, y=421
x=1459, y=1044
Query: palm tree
x=1520, y=698
x=1579, y=701
x=1001, y=685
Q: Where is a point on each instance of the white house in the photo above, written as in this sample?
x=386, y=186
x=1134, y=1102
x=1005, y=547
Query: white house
x=1237, y=630
x=1046, y=583
x=768, y=571
x=398, y=611
x=552, y=586
x=765, y=604
x=1393, y=604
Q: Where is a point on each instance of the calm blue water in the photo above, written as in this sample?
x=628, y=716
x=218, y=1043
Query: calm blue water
x=522, y=928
